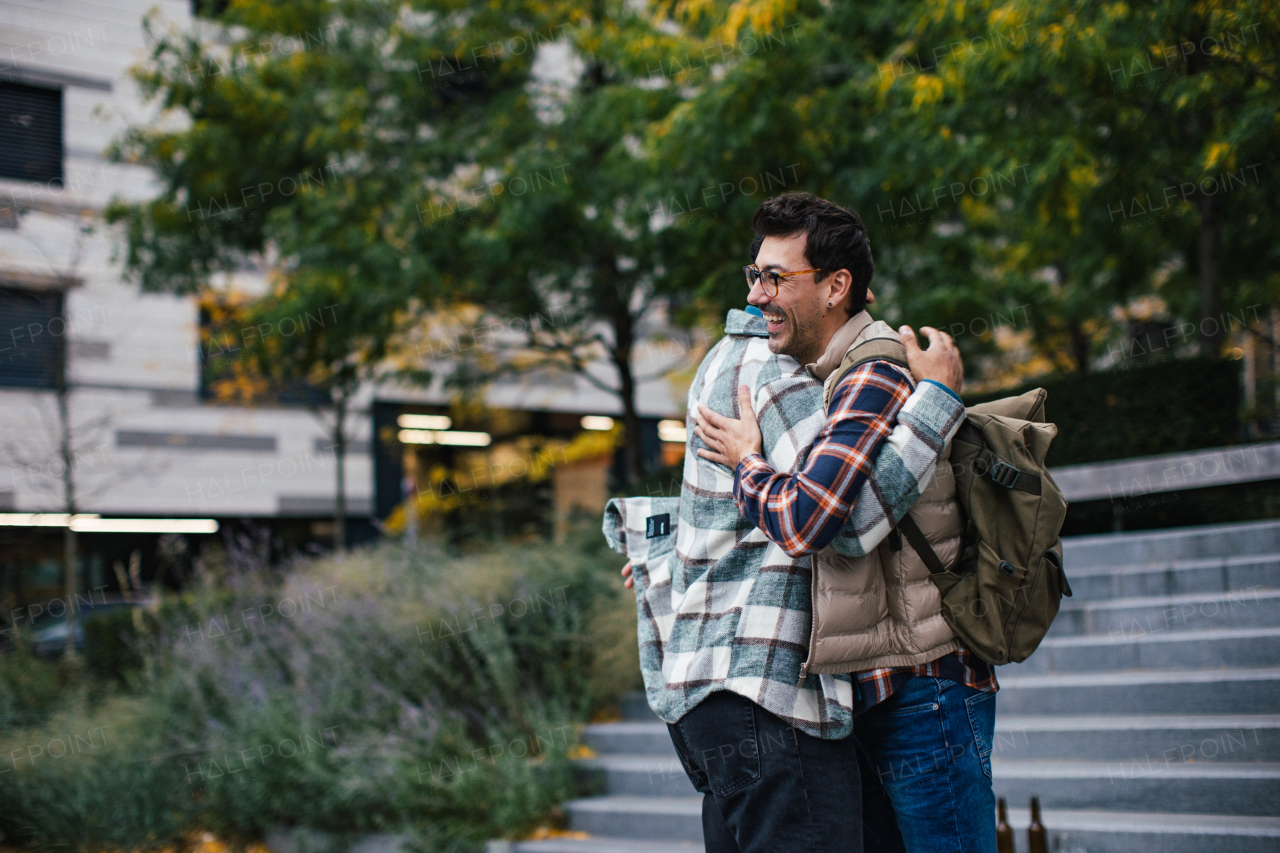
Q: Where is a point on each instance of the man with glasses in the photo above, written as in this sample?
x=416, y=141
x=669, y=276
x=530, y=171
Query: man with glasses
x=725, y=612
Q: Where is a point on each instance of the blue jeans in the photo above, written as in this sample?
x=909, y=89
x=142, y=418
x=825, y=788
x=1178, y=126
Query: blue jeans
x=925, y=756
x=768, y=787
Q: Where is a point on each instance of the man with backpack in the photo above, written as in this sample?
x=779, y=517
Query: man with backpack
x=907, y=625
x=925, y=702
x=725, y=614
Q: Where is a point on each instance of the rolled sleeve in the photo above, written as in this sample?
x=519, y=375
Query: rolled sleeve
x=803, y=512
x=940, y=385
x=934, y=408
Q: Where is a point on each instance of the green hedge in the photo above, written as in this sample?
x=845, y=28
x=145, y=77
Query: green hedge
x=1182, y=405
x=1219, y=505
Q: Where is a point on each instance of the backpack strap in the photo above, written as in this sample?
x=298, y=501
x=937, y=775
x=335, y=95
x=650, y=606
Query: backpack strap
x=916, y=537
x=876, y=349
x=988, y=464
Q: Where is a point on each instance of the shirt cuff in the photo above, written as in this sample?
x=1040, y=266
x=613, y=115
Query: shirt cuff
x=750, y=464
x=943, y=387
x=750, y=468
x=935, y=409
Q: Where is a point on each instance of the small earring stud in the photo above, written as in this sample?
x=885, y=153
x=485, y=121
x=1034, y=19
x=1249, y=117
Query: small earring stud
x=829, y=305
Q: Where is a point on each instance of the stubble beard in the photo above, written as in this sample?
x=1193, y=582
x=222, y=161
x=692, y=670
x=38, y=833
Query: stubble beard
x=801, y=341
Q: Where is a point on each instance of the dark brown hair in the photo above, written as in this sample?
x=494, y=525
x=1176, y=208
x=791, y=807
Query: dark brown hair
x=835, y=237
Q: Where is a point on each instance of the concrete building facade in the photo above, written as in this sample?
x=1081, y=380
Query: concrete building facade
x=146, y=441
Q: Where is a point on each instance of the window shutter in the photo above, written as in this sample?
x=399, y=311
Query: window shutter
x=31, y=133
x=31, y=328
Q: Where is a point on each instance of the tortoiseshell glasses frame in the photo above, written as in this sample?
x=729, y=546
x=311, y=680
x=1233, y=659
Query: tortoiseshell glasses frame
x=769, y=279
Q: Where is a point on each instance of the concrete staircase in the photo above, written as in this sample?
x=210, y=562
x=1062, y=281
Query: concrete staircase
x=1149, y=719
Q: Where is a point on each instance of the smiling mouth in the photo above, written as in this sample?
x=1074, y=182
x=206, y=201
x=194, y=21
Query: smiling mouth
x=775, y=321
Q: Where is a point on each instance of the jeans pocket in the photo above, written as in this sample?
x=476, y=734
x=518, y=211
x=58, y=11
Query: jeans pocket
x=696, y=776
x=724, y=741
x=981, y=708
x=919, y=695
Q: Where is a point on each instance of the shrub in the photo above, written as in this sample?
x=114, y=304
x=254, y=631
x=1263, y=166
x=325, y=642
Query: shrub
x=30, y=687
x=388, y=689
x=111, y=643
x=90, y=779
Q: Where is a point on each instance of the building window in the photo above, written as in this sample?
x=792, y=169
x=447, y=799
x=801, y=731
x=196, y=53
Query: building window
x=31, y=133
x=208, y=8
x=8, y=212
x=231, y=368
x=31, y=332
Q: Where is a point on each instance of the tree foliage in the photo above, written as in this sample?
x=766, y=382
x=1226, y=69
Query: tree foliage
x=600, y=161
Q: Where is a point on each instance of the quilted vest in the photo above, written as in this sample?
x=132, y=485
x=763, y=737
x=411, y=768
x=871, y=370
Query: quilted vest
x=882, y=610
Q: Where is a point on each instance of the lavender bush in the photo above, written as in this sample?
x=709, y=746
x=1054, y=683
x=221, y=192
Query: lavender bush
x=395, y=689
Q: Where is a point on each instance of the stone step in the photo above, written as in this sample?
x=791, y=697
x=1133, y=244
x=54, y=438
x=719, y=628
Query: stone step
x=1067, y=830
x=630, y=738
x=1140, y=786
x=1162, y=739
x=1221, y=648
x=637, y=775
x=1131, y=832
x=1158, y=546
x=1175, y=577
x=650, y=818
x=1148, y=783
x=1240, y=691
x=635, y=707
x=1173, y=738
x=1139, y=616
x=599, y=844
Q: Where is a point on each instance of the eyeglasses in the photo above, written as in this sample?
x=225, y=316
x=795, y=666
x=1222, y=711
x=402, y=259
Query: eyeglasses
x=769, y=279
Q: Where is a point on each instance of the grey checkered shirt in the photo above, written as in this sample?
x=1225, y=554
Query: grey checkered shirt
x=720, y=606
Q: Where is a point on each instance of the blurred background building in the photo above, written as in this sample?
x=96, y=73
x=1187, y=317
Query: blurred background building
x=126, y=377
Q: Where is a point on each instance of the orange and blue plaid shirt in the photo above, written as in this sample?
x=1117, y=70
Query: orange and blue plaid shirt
x=962, y=667
x=720, y=607
x=804, y=512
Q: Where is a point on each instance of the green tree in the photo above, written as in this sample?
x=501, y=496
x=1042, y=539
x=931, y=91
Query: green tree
x=576, y=234
x=282, y=163
x=291, y=347
x=1132, y=121
x=343, y=167
x=802, y=106
x=992, y=147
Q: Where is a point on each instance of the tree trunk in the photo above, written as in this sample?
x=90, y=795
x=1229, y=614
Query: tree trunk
x=1078, y=338
x=631, y=428
x=339, y=460
x=633, y=449
x=62, y=393
x=1079, y=346
x=1210, y=276
x=1273, y=317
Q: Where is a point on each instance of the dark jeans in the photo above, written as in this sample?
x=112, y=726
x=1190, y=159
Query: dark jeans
x=925, y=756
x=768, y=787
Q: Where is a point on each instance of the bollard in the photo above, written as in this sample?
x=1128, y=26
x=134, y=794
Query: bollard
x=1036, y=839
x=1004, y=832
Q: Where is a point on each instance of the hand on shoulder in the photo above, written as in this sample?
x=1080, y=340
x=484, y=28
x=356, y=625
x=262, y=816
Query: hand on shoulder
x=939, y=363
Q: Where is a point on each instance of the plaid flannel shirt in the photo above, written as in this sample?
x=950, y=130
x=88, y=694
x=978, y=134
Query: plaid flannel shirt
x=804, y=511
x=720, y=606
x=962, y=667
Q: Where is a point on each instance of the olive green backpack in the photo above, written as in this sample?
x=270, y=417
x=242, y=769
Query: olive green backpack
x=1003, y=593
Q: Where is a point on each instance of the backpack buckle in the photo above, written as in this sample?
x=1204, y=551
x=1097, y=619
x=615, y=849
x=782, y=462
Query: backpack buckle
x=1004, y=474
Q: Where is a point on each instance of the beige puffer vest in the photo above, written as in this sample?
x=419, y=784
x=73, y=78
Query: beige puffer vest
x=882, y=609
